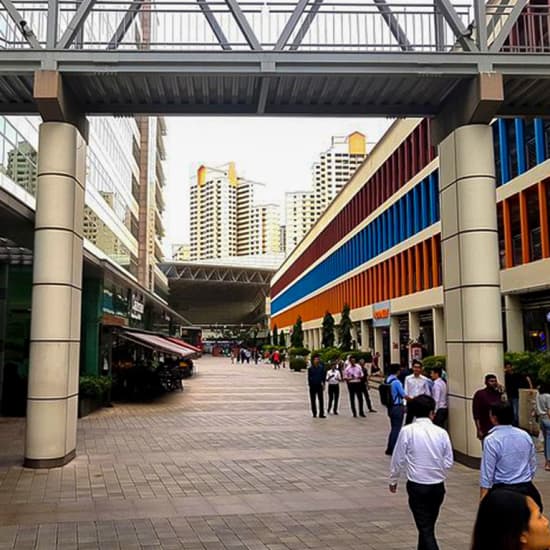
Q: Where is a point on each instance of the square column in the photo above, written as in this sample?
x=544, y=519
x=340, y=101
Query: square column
x=414, y=325
x=52, y=403
x=365, y=343
x=471, y=277
x=438, y=331
x=514, y=323
x=379, y=346
x=395, y=341
x=4, y=270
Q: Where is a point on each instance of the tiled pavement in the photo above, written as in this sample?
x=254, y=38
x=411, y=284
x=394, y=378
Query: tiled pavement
x=234, y=462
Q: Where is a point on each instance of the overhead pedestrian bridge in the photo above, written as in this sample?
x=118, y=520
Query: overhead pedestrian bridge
x=273, y=58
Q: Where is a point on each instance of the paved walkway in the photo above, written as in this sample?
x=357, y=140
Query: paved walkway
x=234, y=462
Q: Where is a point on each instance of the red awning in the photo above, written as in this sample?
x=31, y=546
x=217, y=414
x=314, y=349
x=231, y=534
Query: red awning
x=183, y=344
x=157, y=342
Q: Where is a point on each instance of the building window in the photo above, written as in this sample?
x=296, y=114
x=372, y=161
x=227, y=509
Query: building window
x=515, y=225
x=533, y=220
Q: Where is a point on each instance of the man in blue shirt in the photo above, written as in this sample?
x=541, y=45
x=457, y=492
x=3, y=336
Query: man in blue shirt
x=509, y=458
x=396, y=410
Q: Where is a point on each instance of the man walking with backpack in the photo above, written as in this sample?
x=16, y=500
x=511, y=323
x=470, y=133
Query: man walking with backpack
x=392, y=395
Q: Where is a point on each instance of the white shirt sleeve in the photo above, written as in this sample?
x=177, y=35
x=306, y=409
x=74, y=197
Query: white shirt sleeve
x=399, y=456
x=447, y=453
x=407, y=386
x=436, y=394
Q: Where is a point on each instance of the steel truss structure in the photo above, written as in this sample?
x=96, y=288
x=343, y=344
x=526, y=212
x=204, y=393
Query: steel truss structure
x=217, y=274
x=278, y=57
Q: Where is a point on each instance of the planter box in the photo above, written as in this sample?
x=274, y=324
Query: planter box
x=87, y=405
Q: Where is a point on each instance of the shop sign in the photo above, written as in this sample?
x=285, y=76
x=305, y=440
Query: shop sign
x=137, y=308
x=381, y=314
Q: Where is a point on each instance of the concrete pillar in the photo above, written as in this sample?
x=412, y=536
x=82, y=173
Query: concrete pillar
x=4, y=270
x=379, y=346
x=320, y=337
x=471, y=278
x=514, y=323
x=52, y=403
x=414, y=325
x=438, y=331
x=354, y=333
x=395, y=356
x=365, y=344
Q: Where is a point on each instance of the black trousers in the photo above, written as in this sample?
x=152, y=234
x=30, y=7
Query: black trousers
x=425, y=502
x=333, y=397
x=527, y=489
x=440, y=418
x=365, y=394
x=316, y=394
x=355, y=393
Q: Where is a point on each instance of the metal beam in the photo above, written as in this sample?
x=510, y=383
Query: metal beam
x=125, y=24
x=393, y=24
x=506, y=29
x=52, y=24
x=291, y=24
x=243, y=24
x=214, y=25
x=21, y=24
x=460, y=31
x=75, y=24
x=262, y=96
x=306, y=24
x=480, y=15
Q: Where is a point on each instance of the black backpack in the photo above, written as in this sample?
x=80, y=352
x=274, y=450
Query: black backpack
x=385, y=394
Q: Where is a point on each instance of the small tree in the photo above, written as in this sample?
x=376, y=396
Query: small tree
x=328, y=331
x=344, y=329
x=297, y=338
x=275, y=338
x=282, y=339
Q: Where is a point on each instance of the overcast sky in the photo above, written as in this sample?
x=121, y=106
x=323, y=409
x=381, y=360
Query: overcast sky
x=276, y=151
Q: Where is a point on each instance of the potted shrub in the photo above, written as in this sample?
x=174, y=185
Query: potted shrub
x=92, y=392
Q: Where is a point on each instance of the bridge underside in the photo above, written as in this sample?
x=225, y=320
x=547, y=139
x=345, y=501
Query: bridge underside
x=281, y=84
x=210, y=295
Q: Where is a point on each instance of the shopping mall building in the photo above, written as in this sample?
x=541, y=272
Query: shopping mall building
x=378, y=246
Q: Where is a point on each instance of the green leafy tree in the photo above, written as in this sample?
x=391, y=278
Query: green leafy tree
x=344, y=329
x=297, y=338
x=282, y=339
x=328, y=331
x=275, y=337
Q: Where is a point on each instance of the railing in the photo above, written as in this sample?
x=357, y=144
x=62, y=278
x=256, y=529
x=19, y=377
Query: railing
x=197, y=25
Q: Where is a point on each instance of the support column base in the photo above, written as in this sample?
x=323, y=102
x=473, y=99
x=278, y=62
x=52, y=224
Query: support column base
x=468, y=461
x=43, y=463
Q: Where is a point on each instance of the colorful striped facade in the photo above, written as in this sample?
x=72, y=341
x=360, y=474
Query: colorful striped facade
x=380, y=240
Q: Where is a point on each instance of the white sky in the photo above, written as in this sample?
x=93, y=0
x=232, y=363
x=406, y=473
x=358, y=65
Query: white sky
x=276, y=151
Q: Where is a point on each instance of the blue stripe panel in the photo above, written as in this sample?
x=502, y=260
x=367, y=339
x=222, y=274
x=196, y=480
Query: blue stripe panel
x=503, y=149
x=539, y=139
x=424, y=210
x=416, y=208
x=520, y=145
x=377, y=238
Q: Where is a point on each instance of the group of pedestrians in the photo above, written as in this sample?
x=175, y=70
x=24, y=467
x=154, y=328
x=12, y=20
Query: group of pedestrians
x=423, y=453
x=354, y=374
x=403, y=389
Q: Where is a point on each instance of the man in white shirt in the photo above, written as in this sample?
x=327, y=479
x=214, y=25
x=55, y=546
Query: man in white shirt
x=423, y=451
x=334, y=377
x=440, y=394
x=416, y=384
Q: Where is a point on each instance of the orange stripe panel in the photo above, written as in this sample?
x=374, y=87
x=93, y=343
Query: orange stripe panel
x=524, y=224
x=508, y=255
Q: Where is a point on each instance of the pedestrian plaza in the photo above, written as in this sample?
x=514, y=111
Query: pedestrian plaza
x=234, y=462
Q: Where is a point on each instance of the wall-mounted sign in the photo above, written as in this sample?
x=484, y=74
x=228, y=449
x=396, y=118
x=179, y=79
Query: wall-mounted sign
x=381, y=314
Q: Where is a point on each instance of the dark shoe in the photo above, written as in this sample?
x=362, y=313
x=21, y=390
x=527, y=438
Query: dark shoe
x=335, y=413
x=372, y=411
x=363, y=415
x=314, y=416
x=354, y=416
x=322, y=416
x=388, y=452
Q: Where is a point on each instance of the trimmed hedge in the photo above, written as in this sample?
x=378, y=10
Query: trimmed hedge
x=433, y=361
x=94, y=387
x=297, y=364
